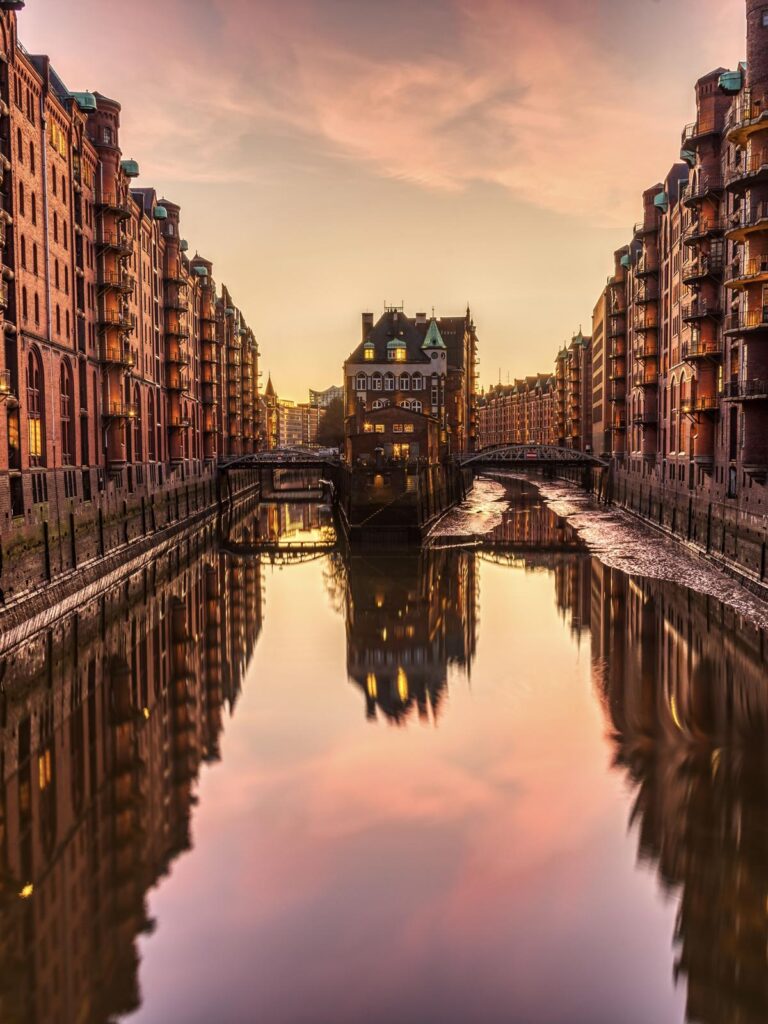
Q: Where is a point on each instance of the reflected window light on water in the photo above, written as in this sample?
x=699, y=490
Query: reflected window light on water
x=566, y=750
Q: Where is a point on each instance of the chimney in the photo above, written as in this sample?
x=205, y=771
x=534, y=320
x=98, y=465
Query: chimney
x=367, y=325
x=421, y=318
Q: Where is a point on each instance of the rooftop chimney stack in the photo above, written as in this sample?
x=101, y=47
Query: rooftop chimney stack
x=367, y=325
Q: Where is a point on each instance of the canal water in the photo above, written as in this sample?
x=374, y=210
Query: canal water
x=496, y=780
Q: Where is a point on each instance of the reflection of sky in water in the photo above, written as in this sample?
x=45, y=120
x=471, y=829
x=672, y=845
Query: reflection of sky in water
x=477, y=869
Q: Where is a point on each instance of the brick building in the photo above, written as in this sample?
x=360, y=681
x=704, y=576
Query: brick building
x=424, y=365
x=679, y=359
x=124, y=371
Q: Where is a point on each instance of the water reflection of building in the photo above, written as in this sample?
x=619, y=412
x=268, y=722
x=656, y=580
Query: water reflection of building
x=106, y=720
x=683, y=685
x=409, y=617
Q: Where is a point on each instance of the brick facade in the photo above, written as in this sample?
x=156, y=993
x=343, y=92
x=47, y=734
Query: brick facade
x=125, y=373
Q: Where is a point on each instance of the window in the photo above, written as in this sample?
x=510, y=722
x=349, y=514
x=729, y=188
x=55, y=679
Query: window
x=409, y=429
x=106, y=137
x=35, y=409
x=21, y=199
x=34, y=257
x=369, y=354
x=23, y=252
x=399, y=355
x=397, y=428
x=417, y=382
x=367, y=428
x=376, y=383
x=405, y=382
x=34, y=208
x=389, y=382
x=361, y=382
x=32, y=157
x=380, y=428
x=37, y=308
x=24, y=307
x=67, y=423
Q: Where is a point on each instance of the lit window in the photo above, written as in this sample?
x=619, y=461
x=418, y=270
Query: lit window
x=369, y=355
x=379, y=428
x=409, y=428
x=397, y=427
x=399, y=355
x=367, y=428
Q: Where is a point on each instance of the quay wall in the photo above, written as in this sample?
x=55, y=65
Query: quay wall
x=721, y=531
x=49, y=551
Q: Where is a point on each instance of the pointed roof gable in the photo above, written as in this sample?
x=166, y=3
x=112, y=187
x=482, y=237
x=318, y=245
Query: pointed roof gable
x=434, y=338
x=269, y=390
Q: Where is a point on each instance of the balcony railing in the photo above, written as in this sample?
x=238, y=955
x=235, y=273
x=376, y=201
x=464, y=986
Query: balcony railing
x=121, y=282
x=754, y=166
x=742, y=270
x=699, y=349
x=120, y=244
x=647, y=291
x=645, y=419
x=745, y=220
x=701, y=227
x=699, y=309
x=744, y=390
x=113, y=203
x=747, y=320
x=698, y=129
x=645, y=320
x=117, y=318
x=120, y=410
x=647, y=265
x=709, y=403
x=649, y=350
x=645, y=380
x=704, y=185
x=117, y=355
x=702, y=266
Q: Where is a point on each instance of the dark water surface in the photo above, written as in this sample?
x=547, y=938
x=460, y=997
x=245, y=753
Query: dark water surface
x=494, y=783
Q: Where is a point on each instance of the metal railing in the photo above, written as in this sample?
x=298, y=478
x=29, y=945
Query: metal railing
x=702, y=349
x=745, y=389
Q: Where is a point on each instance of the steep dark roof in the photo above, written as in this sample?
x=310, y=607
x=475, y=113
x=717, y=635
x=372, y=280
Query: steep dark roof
x=395, y=325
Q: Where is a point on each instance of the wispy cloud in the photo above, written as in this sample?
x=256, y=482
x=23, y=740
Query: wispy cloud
x=535, y=99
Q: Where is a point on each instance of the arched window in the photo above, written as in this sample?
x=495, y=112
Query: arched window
x=361, y=382
x=405, y=382
x=37, y=308
x=24, y=304
x=34, y=208
x=32, y=157
x=151, y=451
x=411, y=403
x=380, y=403
x=389, y=382
x=23, y=252
x=66, y=387
x=376, y=382
x=35, y=409
x=21, y=198
x=417, y=382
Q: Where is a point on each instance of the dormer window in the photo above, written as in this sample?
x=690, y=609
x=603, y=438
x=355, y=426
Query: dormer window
x=368, y=352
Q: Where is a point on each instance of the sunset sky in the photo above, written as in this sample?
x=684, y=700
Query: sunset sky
x=333, y=154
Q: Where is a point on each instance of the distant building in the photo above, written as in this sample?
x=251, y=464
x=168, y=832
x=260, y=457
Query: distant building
x=426, y=367
x=322, y=399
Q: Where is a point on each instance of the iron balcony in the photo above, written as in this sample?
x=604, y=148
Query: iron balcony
x=746, y=390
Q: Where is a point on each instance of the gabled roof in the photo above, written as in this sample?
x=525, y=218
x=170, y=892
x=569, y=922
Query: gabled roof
x=269, y=389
